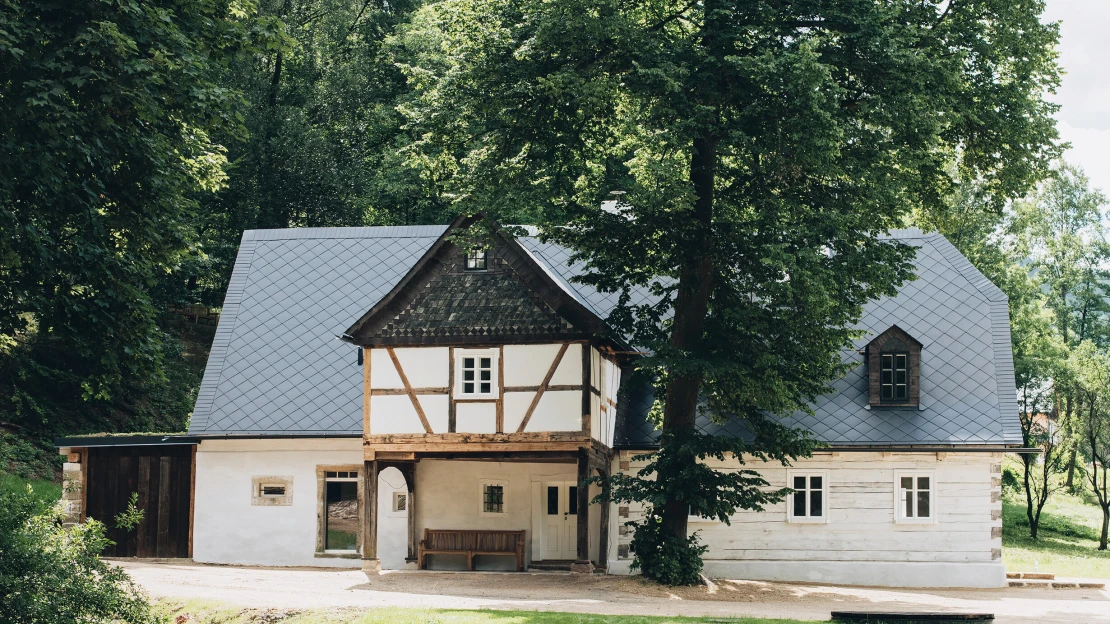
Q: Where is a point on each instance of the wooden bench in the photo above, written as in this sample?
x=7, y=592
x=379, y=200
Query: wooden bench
x=470, y=543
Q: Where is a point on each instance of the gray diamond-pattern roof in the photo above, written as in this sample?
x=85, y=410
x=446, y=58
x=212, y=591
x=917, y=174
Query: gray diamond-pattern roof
x=277, y=367
x=967, y=380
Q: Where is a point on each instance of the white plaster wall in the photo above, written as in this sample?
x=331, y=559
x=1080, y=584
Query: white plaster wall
x=557, y=411
x=228, y=529
x=527, y=365
x=425, y=367
x=448, y=497
x=475, y=418
x=862, y=543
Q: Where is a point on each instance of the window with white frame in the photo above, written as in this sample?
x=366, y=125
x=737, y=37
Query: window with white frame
x=477, y=373
x=915, y=497
x=810, y=501
x=492, y=497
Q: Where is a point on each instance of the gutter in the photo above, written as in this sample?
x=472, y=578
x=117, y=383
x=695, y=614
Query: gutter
x=170, y=439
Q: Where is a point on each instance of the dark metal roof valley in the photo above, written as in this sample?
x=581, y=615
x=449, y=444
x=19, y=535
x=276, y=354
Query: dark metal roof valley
x=277, y=367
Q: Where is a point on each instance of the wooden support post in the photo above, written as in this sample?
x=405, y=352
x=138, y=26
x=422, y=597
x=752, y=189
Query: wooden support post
x=582, y=561
x=603, y=546
x=370, y=563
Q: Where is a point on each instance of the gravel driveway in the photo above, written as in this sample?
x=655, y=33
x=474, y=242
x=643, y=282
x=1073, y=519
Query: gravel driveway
x=299, y=588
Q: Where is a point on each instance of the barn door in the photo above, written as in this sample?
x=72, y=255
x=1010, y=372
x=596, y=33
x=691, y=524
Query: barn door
x=161, y=476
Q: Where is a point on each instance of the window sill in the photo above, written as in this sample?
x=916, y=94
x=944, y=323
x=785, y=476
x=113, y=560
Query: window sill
x=915, y=521
x=807, y=520
x=338, y=554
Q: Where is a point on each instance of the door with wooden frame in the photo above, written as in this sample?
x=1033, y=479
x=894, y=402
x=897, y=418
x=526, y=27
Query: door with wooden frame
x=558, y=520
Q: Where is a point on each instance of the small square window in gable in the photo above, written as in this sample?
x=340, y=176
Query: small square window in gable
x=894, y=369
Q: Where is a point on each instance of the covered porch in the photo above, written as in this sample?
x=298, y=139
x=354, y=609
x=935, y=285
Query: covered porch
x=464, y=510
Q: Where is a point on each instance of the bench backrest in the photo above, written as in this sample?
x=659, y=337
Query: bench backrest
x=485, y=541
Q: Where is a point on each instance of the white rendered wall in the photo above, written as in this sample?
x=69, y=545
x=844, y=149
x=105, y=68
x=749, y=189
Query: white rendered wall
x=228, y=529
x=861, y=543
x=393, y=526
x=448, y=497
x=429, y=368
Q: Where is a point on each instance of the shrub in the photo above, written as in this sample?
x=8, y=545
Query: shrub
x=50, y=574
x=664, y=558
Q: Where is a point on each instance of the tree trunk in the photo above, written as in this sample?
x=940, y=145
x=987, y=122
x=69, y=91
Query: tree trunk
x=1029, y=497
x=1105, y=525
x=691, y=307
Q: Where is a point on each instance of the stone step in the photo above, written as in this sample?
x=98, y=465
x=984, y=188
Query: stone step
x=1042, y=576
x=1058, y=584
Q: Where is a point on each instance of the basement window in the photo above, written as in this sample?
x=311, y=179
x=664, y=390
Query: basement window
x=810, y=501
x=915, y=502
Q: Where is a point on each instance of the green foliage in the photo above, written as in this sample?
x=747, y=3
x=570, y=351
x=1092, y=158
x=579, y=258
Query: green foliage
x=664, y=558
x=53, y=575
x=758, y=149
x=131, y=516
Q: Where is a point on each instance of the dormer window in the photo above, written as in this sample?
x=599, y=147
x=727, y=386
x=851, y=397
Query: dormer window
x=476, y=260
x=894, y=376
x=894, y=369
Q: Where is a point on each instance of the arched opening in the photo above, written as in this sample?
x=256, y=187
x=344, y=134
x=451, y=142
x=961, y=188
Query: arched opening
x=393, y=510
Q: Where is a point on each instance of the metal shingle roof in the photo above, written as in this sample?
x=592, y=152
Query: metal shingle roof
x=967, y=372
x=277, y=367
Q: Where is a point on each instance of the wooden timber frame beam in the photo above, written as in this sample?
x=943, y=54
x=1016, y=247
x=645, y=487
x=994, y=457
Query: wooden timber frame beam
x=409, y=390
x=543, y=386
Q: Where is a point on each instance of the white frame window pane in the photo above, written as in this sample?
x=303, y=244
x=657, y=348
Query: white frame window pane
x=915, y=500
x=809, y=501
x=477, y=375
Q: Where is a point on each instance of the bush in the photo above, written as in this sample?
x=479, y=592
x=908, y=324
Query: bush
x=54, y=575
x=664, y=558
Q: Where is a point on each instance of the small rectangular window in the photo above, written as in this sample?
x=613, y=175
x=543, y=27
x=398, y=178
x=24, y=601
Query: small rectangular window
x=493, y=501
x=915, y=501
x=400, y=501
x=572, y=500
x=808, y=502
x=476, y=260
x=552, y=500
x=476, y=374
x=894, y=376
x=273, y=490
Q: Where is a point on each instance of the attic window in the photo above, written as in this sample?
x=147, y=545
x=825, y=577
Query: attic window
x=893, y=369
x=894, y=376
x=476, y=260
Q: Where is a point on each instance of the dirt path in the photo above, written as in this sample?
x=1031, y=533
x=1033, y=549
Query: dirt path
x=300, y=588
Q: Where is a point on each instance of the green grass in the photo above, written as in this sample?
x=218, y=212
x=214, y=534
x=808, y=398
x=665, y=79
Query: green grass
x=1067, y=539
x=46, y=491
x=203, y=612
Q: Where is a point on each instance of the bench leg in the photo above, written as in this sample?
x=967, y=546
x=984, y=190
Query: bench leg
x=470, y=561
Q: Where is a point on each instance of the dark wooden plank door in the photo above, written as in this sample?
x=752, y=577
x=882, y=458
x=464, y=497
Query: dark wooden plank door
x=162, y=478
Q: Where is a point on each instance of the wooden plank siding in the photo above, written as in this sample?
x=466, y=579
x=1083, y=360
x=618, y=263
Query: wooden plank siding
x=162, y=477
x=860, y=499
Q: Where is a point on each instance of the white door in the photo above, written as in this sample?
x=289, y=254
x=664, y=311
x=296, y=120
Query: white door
x=559, y=508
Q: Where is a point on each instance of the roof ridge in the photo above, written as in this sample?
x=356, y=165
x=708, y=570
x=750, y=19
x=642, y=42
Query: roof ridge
x=371, y=231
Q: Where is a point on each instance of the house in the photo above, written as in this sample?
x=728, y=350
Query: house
x=382, y=398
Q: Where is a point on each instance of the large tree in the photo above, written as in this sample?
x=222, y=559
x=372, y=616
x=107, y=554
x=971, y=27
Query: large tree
x=107, y=109
x=762, y=148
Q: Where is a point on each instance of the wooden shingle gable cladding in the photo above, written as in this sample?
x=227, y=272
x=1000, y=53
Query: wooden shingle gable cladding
x=893, y=341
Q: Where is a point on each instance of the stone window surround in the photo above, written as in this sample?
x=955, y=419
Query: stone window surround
x=321, y=521
x=258, y=500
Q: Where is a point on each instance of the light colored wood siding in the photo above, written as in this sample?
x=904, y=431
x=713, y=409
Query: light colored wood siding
x=860, y=503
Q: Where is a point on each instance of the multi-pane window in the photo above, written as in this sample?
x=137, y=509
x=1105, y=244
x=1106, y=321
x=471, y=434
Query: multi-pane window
x=493, y=497
x=341, y=510
x=476, y=373
x=476, y=260
x=894, y=376
x=915, y=496
x=809, y=502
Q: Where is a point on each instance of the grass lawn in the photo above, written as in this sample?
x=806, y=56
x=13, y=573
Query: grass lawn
x=215, y=613
x=47, y=491
x=1067, y=540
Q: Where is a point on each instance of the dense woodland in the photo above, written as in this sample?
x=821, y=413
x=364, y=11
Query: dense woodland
x=755, y=149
